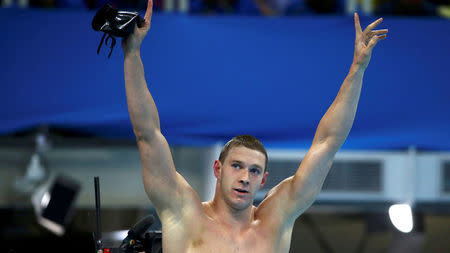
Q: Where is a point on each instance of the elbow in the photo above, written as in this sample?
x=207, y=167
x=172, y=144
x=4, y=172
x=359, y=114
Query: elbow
x=332, y=142
x=333, y=134
x=336, y=142
x=145, y=135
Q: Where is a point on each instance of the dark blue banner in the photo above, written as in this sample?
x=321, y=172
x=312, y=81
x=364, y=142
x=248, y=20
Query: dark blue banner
x=216, y=77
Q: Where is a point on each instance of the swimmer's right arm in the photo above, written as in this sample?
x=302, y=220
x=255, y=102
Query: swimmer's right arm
x=165, y=187
x=141, y=106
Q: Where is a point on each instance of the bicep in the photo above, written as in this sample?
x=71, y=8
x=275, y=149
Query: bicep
x=165, y=187
x=290, y=198
x=310, y=176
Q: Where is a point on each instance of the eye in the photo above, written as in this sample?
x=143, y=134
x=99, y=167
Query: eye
x=236, y=165
x=255, y=171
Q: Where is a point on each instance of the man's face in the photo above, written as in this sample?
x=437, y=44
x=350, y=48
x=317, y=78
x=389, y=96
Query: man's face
x=241, y=176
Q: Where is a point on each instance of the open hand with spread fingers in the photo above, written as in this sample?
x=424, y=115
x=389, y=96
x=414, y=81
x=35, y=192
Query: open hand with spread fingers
x=366, y=40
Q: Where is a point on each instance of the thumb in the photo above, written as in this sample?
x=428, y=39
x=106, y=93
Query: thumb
x=358, y=29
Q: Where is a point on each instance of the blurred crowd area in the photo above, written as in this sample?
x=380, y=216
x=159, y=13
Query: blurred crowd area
x=257, y=7
x=311, y=7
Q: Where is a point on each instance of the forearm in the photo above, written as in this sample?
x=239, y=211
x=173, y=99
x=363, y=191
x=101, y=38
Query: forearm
x=335, y=125
x=141, y=106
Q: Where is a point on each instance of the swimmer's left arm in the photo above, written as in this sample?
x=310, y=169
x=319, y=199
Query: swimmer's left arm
x=294, y=195
x=335, y=125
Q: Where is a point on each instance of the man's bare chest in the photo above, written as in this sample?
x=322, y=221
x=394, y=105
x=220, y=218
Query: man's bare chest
x=206, y=236
x=214, y=238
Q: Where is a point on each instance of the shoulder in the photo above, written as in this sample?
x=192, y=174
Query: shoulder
x=276, y=207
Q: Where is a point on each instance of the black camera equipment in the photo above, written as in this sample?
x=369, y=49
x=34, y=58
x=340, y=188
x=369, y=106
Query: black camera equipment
x=134, y=242
x=54, y=202
x=115, y=23
x=137, y=240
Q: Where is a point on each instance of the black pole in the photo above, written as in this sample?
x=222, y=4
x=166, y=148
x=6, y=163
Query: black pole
x=98, y=233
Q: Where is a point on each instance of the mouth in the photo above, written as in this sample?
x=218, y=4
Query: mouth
x=240, y=191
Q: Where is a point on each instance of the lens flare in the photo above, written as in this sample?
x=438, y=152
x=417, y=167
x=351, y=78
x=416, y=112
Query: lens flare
x=401, y=217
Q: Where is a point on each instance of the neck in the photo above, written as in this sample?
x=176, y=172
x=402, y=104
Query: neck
x=229, y=216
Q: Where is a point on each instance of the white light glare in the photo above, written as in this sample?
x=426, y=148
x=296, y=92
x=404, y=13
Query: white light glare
x=117, y=235
x=401, y=217
x=45, y=200
x=120, y=235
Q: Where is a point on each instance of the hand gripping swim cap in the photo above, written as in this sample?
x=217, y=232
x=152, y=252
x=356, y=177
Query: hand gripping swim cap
x=115, y=23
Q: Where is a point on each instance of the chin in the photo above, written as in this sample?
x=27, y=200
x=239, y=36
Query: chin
x=241, y=204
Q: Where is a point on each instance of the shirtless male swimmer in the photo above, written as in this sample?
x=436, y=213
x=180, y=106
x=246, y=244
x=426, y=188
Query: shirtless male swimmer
x=229, y=222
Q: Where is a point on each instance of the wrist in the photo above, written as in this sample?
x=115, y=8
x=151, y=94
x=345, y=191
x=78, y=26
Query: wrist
x=132, y=53
x=357, y=68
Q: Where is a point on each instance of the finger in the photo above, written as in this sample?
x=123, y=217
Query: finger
x=357, y=24
x=149, y=12
x=373, y=42
x=373, y=25
x=379, y=32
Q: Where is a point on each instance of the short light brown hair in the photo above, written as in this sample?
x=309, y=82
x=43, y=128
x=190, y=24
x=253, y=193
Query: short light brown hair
x=247, y=141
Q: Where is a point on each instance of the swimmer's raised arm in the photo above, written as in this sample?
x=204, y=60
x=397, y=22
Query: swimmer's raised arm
x=334, y=127
x=166, y=188
x=143, y=113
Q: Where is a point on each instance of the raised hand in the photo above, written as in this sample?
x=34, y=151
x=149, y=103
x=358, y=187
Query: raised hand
x=133, y=42
x=366, y=40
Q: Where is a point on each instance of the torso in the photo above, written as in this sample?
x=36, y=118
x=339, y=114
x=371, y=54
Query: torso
x=201, y=233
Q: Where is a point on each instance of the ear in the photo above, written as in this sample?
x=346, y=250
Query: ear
x=217, y=167
x=266, y=174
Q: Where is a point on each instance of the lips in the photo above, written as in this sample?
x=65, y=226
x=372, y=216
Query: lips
x=241, y=191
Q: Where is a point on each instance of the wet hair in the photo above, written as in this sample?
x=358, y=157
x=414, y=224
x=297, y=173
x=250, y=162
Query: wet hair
x=247, y=141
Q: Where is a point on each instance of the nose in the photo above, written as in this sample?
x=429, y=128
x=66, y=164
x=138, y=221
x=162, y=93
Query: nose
x=244, y=178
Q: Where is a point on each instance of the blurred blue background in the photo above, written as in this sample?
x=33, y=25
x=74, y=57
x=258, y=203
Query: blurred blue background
x=214, y=77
